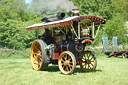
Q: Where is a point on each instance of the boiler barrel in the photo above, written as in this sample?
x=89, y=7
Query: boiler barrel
x=73, y=47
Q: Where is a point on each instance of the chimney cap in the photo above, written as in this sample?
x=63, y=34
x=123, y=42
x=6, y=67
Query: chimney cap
x=75, y=10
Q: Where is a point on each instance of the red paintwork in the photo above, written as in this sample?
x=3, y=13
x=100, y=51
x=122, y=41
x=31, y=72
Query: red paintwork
x=56, y=55
x=86, y=41
x=77, y=63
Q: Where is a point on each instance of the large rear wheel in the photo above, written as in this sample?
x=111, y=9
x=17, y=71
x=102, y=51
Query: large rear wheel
x=38, y=55
x=88, y=61
x=67, y=62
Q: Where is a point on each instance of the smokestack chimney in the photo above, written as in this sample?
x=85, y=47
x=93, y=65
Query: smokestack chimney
x=75, y=12
x=75, y=23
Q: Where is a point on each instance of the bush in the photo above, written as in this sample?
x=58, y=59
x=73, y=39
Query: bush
x=14, y=35
x=116, y=27
x=14, y=54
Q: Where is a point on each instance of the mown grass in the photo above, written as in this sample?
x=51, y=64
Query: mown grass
x=110, y=71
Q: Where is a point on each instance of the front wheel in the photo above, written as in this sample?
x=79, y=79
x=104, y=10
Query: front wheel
x=67, y=62
x=88, y=61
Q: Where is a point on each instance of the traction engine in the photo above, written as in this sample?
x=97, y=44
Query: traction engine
x=64, y=40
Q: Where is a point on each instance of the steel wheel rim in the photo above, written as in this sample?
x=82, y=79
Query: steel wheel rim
x=124, y=55
x=36, y=55
x=87, y=62
x=66, y=63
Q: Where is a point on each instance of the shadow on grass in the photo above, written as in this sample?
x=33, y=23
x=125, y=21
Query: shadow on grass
x=53, y=69
x=77, y=70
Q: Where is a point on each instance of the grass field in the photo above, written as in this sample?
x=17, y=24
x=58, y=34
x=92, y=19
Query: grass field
x=110, y=71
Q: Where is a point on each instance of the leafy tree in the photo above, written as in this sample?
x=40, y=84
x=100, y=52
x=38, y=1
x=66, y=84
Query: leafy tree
x=95, y=7
x=13, y=22
x=121, y=7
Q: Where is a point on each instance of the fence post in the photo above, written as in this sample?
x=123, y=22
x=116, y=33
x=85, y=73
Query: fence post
x=115, y=44
x=105, y=44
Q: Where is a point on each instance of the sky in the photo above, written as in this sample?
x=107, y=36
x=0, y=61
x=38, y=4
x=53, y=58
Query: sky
x=28, y=1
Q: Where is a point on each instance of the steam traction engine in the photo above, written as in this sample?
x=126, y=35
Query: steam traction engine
x=63, y=42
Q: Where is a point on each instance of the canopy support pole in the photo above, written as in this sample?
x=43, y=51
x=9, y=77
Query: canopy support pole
x=52, y=32
x=97, y=30
x=78, y=30
x=37, y=31
x=61, y=30
x=66, y=30
x=74, y=31
x=93, y=28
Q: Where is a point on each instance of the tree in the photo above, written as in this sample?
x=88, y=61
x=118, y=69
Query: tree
x=121, y=7
x=13, y=21
x=95, y=7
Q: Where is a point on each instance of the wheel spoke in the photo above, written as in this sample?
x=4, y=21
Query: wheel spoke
x=85, y=66
x=36, y=63
x=88, y=66
x=34, y=53
x=88, y=56
x=67, y=68
x=40, y=59
x=92, y=61
x=40, y=56
x=36, y=47
x=65, y=57
x=34, y=56
x=91, y=58
x=70, y=68
x=82, y=61
x=71, y=63
x=84, y=57
x=69, y=59
x=91, y=64
x=62, y=60
x=62, y=64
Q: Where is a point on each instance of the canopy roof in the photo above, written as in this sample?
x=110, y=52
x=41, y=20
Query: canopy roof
x=84, y=19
